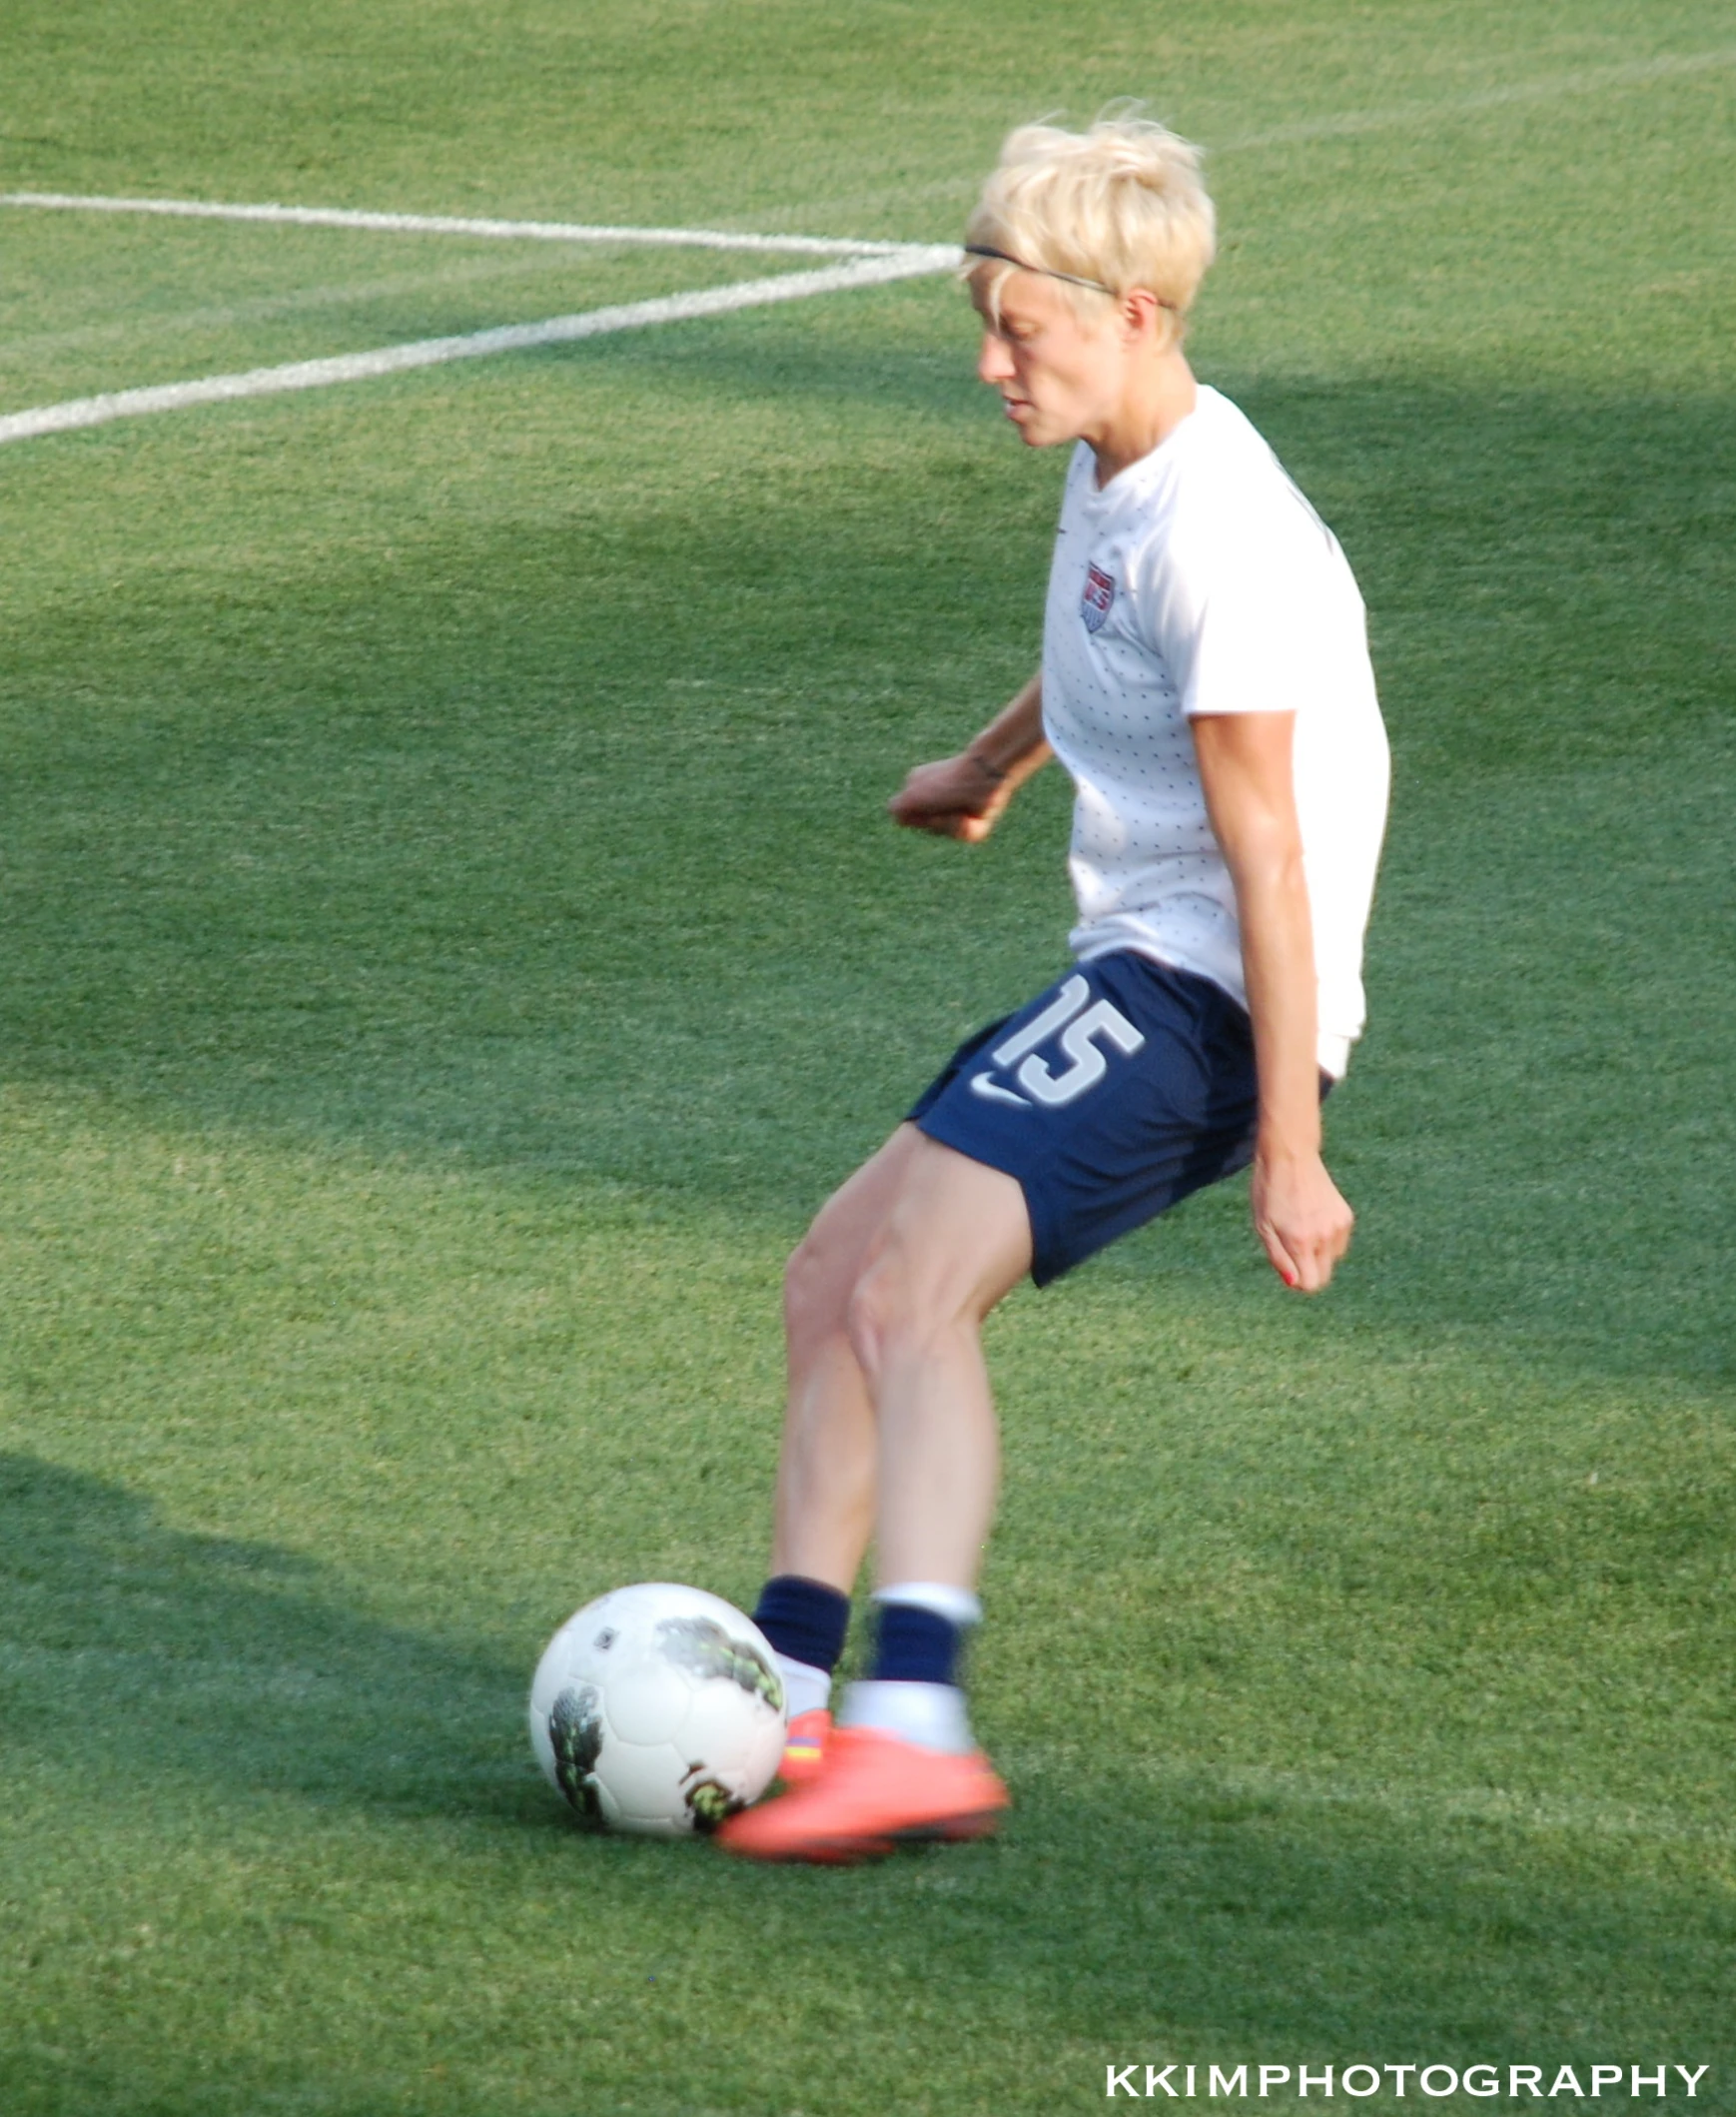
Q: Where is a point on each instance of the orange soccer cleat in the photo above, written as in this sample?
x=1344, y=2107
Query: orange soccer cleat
x=805, y=1742
x=872, y=1792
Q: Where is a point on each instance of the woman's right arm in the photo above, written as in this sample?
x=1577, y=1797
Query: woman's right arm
x=963, y=796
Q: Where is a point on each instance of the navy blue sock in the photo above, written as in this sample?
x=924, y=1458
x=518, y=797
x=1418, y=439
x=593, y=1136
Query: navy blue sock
x=915, y=1645
x=805, y=1620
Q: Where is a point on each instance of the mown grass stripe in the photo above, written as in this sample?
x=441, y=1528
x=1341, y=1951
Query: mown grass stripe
x=1586, y=81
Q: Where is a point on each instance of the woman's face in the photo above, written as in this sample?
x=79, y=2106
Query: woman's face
x=1059, y=381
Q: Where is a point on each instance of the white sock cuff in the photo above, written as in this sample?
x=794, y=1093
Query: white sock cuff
x=805, y=1688
x=930, y=1714
x=957, y=1604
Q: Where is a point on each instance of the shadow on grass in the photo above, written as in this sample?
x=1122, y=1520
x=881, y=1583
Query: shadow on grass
x=1122, y=1915
x=449, y=850
x=135, y=1651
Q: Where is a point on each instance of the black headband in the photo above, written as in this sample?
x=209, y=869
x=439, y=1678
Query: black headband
x=984, y=249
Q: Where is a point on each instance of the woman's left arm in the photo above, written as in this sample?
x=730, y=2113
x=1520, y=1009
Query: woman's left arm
x=1247, y=773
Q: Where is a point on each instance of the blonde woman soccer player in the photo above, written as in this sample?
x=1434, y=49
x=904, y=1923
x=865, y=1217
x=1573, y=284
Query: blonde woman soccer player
x=1206, y=685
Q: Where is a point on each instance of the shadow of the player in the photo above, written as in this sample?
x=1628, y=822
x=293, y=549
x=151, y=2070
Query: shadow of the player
x=135, y=1651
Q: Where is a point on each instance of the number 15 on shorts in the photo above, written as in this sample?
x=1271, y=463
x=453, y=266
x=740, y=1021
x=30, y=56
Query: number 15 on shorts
x=1081, y=1032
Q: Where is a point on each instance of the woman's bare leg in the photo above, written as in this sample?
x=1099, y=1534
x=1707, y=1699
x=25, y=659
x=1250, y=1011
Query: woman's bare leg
x=889, y=1416
x=889, y=1390
x=826, y=1474
x=955, y=1240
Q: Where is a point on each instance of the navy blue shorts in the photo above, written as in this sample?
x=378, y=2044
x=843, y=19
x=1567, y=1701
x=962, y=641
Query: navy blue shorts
x=1116, y=1093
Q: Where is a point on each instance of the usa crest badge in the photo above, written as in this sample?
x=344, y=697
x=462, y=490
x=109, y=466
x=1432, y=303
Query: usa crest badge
x=1094, y=605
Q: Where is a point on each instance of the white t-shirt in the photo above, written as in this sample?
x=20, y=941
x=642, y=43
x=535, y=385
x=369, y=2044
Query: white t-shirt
x=1200, y=580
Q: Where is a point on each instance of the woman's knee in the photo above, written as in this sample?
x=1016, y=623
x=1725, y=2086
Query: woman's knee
x=824, y=1266
x=818, y=1278
x=804, y=1284
x=888, y=1311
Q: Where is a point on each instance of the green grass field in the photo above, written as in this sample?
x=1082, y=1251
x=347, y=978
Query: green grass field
x=452, y=941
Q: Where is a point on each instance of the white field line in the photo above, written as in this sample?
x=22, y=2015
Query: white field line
x=912, y=261
x=905, y=260
x=1584, y=81
x=1338, y=124
x=821, y=246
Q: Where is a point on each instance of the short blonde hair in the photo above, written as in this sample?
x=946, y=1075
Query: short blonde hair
x=1122, y=205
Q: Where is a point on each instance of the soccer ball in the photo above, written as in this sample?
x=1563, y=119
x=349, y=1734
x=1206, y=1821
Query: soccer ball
x=659, y=1709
